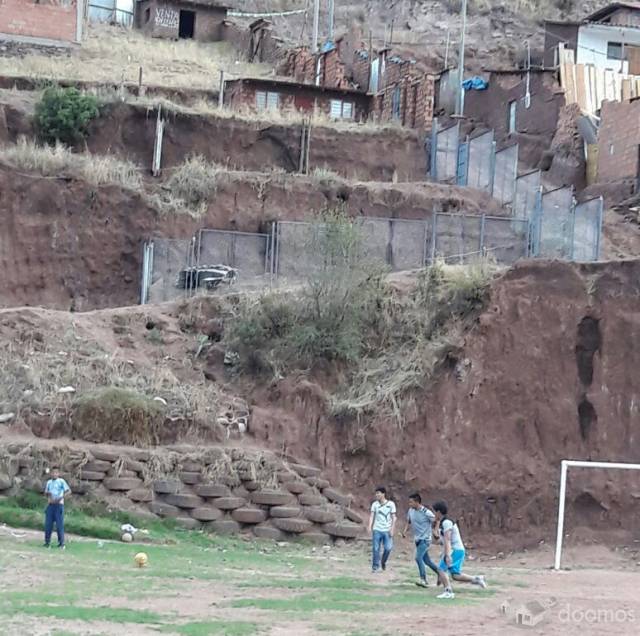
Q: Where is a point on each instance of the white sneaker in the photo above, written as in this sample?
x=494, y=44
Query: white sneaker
x=446, y=594
x=422, y=583
x=480, y=582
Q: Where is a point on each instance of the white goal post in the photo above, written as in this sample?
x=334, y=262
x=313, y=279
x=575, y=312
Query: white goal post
x=566, y=463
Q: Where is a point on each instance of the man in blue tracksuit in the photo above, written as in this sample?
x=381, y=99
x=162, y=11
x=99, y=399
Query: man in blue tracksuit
x=55, y=492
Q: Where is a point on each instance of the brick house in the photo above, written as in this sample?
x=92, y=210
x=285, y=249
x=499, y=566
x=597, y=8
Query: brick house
x=400, y=91
x=46, y=22
x=619, y=143
x=282, y=95
x=174, y=19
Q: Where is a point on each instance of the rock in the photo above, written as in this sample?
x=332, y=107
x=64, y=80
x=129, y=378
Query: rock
x=189, y=478
x=25, y=462
x=311, y=499
x=97, y=466
x=5, y=481
x=285, y=476
x=342, y=529
x=297, y=487
x=320, y=515
x=230, y=503
x=133, y=465
x=191, y=466
x=352, y=515
x=269, y=497
x=249, y=515
x=284, y=512
x=212, y=490
x=164, y=509
x=336, y=496
x=5, y=418
x=266, y=531
x=89, y=475
x=184, y=500
x=105, y=455
x=224, y=526
x=318, y=482
x=166, y=486
x=207, y=513
x=296, y=526
x=188, y=523
x=122, y=483
x=306, y=471
x=140, y=494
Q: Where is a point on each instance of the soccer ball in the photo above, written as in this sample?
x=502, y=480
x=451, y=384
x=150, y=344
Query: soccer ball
x=141, y=559
x=126, y=537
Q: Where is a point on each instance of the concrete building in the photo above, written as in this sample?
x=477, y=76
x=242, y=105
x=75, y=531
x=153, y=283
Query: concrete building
x=608, y=38
x=173, y=19
x=47, y=22
x=283, y=95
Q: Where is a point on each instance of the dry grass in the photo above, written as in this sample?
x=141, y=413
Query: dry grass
x=35, y=369
x=58, y=160
x=112, y=54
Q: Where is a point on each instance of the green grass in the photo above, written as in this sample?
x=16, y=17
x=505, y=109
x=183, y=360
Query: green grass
x=79, y=613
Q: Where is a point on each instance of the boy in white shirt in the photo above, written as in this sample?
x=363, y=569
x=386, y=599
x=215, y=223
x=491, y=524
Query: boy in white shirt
x=382, y=525
x=453, y=553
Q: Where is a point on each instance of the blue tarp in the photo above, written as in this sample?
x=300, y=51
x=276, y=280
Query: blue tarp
x=475, y=84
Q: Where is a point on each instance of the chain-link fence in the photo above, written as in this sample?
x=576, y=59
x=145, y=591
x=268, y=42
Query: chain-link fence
x=554, y=227
x=164, y=260
x=527, y=191
x=247, y=253
x=505, y=174
x=481, y=162
x=587, y=228
x=444, y=154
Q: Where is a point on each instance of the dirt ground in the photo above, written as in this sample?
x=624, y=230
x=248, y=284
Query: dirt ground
x=236, y=587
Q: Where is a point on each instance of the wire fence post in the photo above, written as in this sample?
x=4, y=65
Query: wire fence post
x=572, y=234
x=433, y=157
x=434, y=232
x=599, y=229
x=482, y=226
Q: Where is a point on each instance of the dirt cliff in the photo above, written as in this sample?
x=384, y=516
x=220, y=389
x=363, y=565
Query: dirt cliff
x=546, y=374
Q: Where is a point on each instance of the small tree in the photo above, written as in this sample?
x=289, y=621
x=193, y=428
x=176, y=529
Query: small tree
x=63, y=115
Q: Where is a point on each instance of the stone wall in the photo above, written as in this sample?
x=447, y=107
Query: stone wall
x=224, y=490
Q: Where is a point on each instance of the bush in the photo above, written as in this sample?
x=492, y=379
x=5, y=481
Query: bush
x=63, y=115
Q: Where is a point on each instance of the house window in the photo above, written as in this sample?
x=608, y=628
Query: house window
x=341, y=109
x=614, y=50
x=511, y=123
x=267, y=100
x=395, y=103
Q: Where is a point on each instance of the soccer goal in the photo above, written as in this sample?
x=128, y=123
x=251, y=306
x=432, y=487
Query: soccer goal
x=566, y=464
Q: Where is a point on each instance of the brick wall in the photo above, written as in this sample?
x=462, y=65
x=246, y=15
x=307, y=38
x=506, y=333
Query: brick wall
x=48, y=19
x=619, y=141
x=162, y=20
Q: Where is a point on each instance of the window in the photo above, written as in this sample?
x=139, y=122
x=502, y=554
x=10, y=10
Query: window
x=147, y=15
x=511, y=123
x=267, y=100
x=614, y=50
x=341, y=109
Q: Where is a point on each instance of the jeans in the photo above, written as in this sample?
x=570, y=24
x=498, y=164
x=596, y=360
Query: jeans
x=54, y=514
x=387, y=542
x=423, y=558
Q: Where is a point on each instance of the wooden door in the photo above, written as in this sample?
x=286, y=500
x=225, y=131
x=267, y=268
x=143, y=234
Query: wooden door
x=633, y=56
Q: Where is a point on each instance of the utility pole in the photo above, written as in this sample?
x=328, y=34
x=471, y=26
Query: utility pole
x=460, y=93
x=316, y=24
x=332, y=13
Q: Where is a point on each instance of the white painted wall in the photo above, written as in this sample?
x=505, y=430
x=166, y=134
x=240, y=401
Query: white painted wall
x=592, y=45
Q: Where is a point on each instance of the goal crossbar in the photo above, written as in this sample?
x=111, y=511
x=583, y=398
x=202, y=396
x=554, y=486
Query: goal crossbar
x=564, y=466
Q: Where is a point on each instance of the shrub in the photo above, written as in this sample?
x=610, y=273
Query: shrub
x=63, y=115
